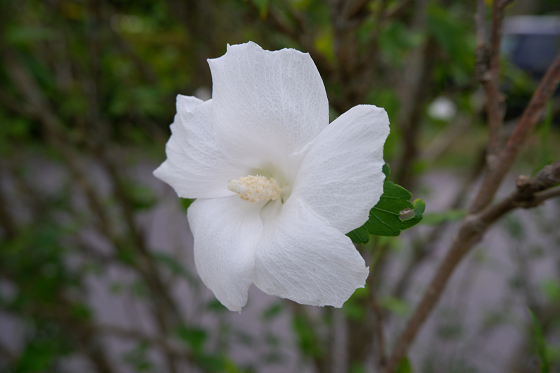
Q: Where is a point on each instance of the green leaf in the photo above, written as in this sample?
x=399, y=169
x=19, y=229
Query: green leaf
x=354, y=308
x=540, y=342
x=142, y=197
x=273, y=311
x=29, y=34
x=215, y=306
x=359, y=235
x=307, y=340
x=80, y=311
x=139, y=357
x=551, y=289
x=358, y=368
x=126, y=255
x=394, y=305
x=451, y=35
x=37, y=357
x=211, y=362
x=262, y=6
x=194, y=337
x=385, y=217
x=404, y=366
x=186, y=203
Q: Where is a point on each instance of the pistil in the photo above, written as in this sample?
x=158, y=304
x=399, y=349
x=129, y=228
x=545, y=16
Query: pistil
x=255, y=188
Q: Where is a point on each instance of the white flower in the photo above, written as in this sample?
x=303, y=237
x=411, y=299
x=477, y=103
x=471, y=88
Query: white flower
x=265, y=137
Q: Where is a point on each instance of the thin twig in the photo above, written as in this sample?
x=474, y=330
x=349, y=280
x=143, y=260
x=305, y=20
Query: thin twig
x=165, y=311
x=547, y=194
x=379, y=325
x=471, y=231
x=488, y=64
x=519, y=136
x=423, y=250
x=7, y=220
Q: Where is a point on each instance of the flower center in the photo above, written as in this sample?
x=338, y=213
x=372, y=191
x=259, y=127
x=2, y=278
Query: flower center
x=255, y=188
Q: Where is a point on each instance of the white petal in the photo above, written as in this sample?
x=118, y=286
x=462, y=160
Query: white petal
x=340, y=177
x=187, y=104
x=226, y=232
x=266, y=104
x=302, y=258
x=195, y=167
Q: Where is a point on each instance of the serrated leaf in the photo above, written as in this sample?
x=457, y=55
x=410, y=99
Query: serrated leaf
x=385, y=216
x=359, y=235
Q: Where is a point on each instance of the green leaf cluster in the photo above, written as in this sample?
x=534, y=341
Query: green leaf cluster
x=385, y=216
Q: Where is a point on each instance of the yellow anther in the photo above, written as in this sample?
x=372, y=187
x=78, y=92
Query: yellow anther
x=255, y=188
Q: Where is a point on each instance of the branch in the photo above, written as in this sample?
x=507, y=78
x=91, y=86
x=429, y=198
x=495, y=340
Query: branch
x=165, y=310
x=379, y=332
x=519, y=136
x=494, y=98
x=528, y=194
x=423, y=250
x=547, y=194
x=7, y=220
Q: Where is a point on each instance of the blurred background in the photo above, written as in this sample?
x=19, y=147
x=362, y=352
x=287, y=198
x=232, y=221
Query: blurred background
x=96, y=263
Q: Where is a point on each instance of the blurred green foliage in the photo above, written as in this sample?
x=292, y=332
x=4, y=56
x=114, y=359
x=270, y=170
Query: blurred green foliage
x=105, y=73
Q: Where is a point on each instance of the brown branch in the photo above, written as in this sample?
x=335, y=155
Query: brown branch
x=379, y=333
x=494, y=98
x=7, y=220
x=422, y=251
x=414, y=94
x=528, y=120
x=547, y=194
x=471, y=231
